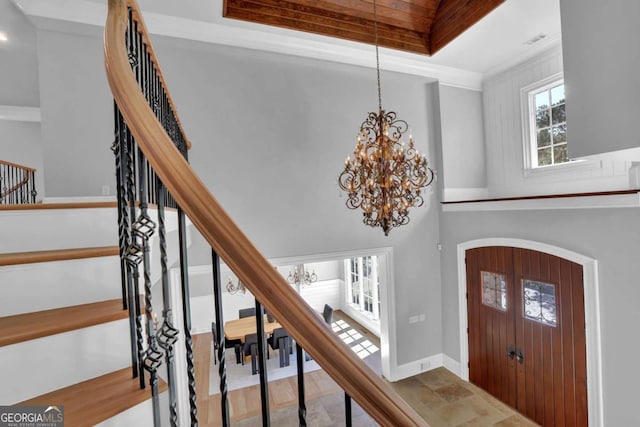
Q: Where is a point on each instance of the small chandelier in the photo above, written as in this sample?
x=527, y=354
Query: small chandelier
x=301, y=276
x=234, y=288
x=384, y=179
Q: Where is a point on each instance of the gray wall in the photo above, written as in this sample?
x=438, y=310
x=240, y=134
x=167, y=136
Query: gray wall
x=77, y=115
x=609, y=235
x=601, y=62
x=20, y=143
x=463, y=147
x=18, y=59
x=270, y=134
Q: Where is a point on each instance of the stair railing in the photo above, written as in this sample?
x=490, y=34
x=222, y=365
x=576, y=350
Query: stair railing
x=150, y=148
x=17, y=184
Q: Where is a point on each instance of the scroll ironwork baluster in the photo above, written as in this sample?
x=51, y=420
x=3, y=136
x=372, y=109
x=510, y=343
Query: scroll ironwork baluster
x=302, y=407
x=347, y=410
x=221, y=345
x=262, y=363
x=186, y=316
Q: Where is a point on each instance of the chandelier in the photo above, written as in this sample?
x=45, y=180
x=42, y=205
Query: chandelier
x=301, y=276
x=383, y=178
x=234, y=288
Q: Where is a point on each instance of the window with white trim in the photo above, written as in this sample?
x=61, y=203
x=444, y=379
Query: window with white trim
x=363, y=285
x=545, y=124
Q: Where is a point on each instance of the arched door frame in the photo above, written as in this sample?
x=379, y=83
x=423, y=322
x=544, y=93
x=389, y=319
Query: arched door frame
x=591, y=305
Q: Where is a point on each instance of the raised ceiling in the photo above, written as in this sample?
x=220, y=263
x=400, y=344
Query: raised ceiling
x=418, y=26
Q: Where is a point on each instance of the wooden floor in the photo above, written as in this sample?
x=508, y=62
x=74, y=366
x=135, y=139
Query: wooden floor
x=439, y=396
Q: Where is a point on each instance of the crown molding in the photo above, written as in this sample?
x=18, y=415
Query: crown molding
x=19, y=114
x=72, y=15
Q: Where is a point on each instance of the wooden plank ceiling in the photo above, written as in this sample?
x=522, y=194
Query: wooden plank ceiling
x=418, y=26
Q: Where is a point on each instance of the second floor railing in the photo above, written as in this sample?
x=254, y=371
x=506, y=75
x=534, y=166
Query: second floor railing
x=151, y=147
x=17, y=184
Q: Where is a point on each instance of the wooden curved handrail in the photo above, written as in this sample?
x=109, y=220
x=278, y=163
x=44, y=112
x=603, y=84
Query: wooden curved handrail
x=373, y=394
x=26, y=171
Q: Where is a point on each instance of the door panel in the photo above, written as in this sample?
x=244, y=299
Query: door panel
x=489, y=334
x=544, y=320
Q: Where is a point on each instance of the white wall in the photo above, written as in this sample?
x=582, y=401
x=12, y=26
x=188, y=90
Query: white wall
x=601, y=72
x=20, y=142
x=18, y=59
x=463, y=173
x=77, y=115
x=503, y=135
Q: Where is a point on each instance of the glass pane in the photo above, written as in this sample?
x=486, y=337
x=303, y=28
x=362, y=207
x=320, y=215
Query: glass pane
x=560, y=154
x=542, y=100
x=559, y=134
x=542, y=118
x=539, y=302
x=557, y=95
x=544, y=156
x=558, y=114
x=544, y=138
x=494, y=290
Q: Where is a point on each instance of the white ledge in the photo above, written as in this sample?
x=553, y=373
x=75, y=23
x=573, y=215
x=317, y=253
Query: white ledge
x=19, y=114
x=631, y=200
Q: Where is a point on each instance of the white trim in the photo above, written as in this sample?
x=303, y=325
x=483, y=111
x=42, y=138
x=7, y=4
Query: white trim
x=462, y=193
x=591, y=306
x=582, y=202
x=67, y=14
x=417, y=367
x=20, y=114
x=451, y=364
x=86, y=199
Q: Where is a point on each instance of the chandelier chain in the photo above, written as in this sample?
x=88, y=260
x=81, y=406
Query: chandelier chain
x=375, y=31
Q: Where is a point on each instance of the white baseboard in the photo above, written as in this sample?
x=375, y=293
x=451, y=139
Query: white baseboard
x=451, y=364
x=416, y=367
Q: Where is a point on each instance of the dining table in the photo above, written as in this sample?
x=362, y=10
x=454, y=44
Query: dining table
x=237, y=329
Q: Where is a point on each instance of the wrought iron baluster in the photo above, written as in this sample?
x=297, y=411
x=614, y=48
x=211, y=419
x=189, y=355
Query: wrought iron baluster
x=302, y=407
x=143, y=229
x=186, y=317
x=168, y=334
x=262, y=363
x=221, y=345
x=347, y=410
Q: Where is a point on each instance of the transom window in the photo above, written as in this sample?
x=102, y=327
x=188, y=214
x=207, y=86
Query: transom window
x=545, y=123
x=363, y=285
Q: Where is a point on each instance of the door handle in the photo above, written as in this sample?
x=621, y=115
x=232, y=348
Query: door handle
x=511, y=351
x=520, y=356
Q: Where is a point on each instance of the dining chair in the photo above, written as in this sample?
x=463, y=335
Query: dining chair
x=327, y=313
x=235, y=344
x=246, y=312
x=251, y=348
x=281, y=341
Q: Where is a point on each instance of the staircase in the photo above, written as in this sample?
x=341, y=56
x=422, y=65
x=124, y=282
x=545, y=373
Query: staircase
x=65, y=335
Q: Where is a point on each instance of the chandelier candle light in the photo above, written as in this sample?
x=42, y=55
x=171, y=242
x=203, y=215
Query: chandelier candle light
x=384, y=179
x=301, y=276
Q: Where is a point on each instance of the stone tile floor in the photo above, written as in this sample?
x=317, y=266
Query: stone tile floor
x=440, y=397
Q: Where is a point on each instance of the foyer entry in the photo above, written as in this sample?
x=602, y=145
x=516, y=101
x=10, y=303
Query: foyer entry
x=526, y=332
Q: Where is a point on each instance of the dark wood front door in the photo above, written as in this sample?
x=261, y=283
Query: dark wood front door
x=527, y=332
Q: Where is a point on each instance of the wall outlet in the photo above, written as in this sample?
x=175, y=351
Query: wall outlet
x=413, y=319
x=106, y=190
x=425, y=365
x=422, y=317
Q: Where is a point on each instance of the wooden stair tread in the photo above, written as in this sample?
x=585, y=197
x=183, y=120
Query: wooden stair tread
x=65, y=205
x=16, y=258
x=28, y=326
x=98, y=399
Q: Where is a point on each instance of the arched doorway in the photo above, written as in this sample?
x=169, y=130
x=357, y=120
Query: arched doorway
x=525, y=338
